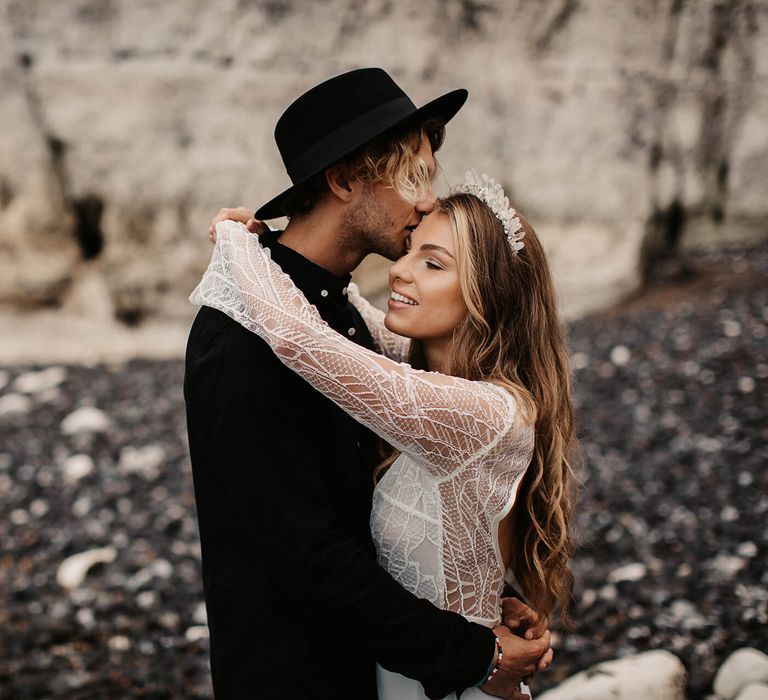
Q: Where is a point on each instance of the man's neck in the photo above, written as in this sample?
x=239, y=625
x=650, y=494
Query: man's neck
x=316, y=237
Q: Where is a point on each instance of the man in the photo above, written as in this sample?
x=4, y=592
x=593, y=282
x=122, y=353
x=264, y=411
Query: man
x=297, y=606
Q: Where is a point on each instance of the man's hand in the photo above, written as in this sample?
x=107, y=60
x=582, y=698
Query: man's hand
x=520, y=659
x=242, y=214
x=527, y=623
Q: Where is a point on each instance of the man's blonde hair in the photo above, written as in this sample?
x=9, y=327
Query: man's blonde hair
x=390, y=160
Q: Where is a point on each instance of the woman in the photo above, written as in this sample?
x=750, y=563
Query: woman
x=481, y=413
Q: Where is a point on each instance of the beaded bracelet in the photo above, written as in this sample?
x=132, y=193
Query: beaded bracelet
x=493, y=669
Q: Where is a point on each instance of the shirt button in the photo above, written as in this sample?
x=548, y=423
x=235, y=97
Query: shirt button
x=351, y=331
x=324, y=293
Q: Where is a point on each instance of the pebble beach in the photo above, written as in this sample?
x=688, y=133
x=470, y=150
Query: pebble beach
x=100, y=589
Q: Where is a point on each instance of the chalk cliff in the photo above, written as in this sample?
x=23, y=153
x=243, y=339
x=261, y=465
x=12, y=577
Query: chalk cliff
x=625, y=131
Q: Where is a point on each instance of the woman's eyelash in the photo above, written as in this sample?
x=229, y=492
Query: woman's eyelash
x=433, y=265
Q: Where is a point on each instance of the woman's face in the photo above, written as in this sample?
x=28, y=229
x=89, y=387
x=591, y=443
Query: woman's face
x=425, y=299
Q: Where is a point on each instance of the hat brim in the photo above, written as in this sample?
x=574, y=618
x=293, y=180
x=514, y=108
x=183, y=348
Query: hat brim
x=445, y=107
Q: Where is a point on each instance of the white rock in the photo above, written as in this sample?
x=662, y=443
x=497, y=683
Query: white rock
x=86, y=420
x=146, y=599
x=39, y=507
x=729, y=514
x=145, y=461
x=741, y=668
x=119, y=643
x=754, y=691
x=620, y=355
x=196, y=633
x=140, y=579
x=169, y=619
x=746, y=385
x=85, y=618
x=77, y=467
x=14, y=405
x=628, y=572
x=747, y=549
x=73, y=570
x=19, y=516
x=725, y=566
x=201, y=614
x=162, y=568
x=579, y=360
x=683, y=614
x=653, y=675
x=82, y=506
x=35, y=382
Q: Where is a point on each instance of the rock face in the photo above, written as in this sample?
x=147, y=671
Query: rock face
x=623, y=130
x=654, y=675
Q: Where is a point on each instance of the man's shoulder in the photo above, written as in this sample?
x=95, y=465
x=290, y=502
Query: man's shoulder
x=227, y=365
x=214, y=336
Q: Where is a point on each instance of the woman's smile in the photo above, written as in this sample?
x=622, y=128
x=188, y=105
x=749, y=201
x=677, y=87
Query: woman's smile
x=396, y=300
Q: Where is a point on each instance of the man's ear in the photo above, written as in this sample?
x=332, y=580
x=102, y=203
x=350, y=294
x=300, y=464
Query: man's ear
x=339, y=184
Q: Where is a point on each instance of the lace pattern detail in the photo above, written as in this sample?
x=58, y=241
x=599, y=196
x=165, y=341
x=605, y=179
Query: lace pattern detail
x=464, y=438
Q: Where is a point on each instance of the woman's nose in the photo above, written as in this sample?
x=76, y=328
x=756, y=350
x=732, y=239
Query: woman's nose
x=400, y=270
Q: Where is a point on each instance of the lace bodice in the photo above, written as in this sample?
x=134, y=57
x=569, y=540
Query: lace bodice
x=464, y=445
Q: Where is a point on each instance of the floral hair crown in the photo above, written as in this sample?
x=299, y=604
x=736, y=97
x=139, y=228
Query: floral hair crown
x=491, y=192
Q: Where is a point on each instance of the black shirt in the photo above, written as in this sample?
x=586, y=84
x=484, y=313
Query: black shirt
x=297, y=606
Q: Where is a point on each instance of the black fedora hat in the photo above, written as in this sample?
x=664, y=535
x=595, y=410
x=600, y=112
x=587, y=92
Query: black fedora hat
x=340, y=115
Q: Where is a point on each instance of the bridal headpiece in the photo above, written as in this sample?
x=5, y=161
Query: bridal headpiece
x=491, y=192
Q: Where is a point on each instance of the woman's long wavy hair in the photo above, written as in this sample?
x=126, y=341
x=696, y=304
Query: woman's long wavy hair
x=512, y=336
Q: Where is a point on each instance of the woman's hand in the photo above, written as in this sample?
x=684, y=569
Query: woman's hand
x=244, y=215
x=522, y=619
x=525, y=622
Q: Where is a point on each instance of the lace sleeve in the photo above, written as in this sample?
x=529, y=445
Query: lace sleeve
x=389, y=344
x=444, y=422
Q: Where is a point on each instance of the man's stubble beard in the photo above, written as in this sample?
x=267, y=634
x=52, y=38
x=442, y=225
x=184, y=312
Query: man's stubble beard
x=364, y=231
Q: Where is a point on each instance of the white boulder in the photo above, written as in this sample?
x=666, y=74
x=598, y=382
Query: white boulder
x=652, y=675
x=742, y=668
x=754, y=691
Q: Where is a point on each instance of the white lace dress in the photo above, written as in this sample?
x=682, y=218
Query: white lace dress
x=464, y=446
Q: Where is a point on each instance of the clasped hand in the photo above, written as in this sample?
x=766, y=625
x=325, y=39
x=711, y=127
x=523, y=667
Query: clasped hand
x=526, y=648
